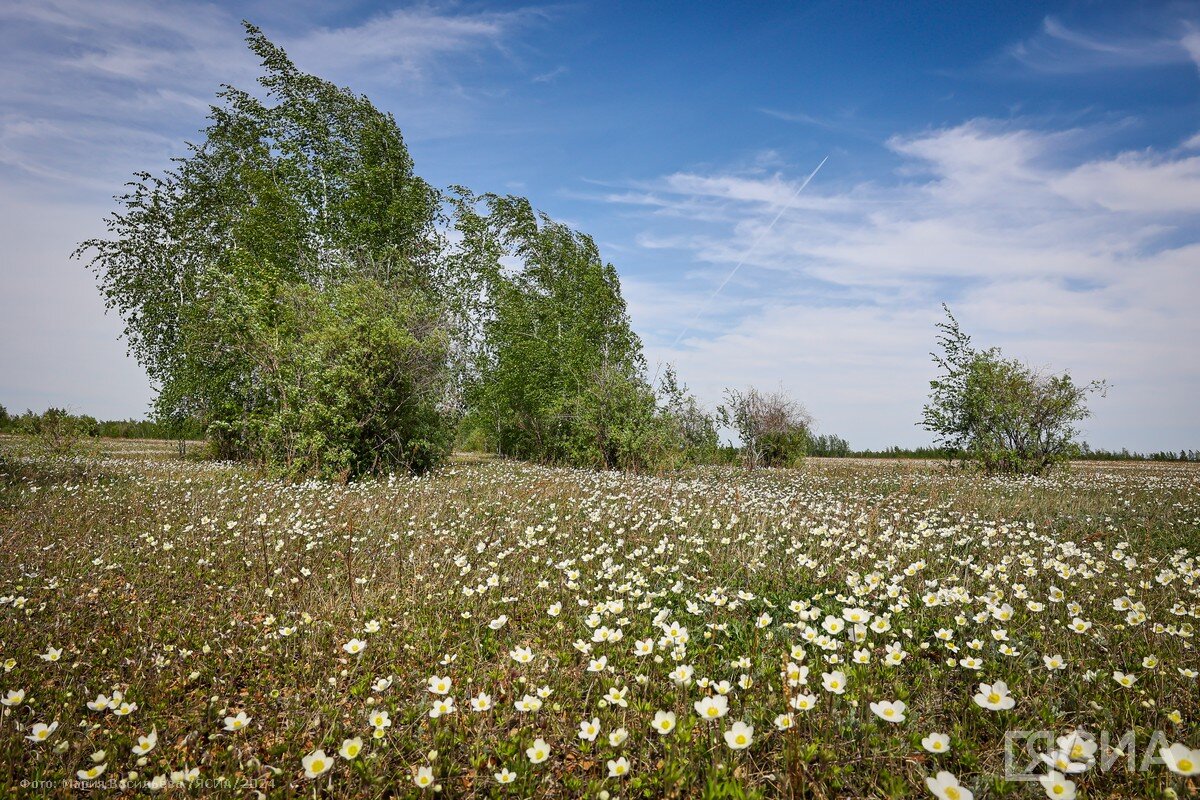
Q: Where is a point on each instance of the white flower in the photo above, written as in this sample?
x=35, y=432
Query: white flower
x=315, y=763
x=41, y=731
x=101, y=703
x=834, y=681
x=92, y=772
x=1061, y=761
x=238, y=722
x=889, y=711
x=539, y=752
x=528, y=703
x=1079, y=746
x=664, y=722
x=481, y=702
x=946, y=787
x=784, y=722
x=13, y=697
x=423, y=777
x=521, y=655
x=146, y=743
x=440, y=685
x=617, y=738
x=936, y=743
x=498, y=622
x=380, y=719
x=618, y=768
x=1057, y=786
x=803, y=702
x=994, y=697
x=351, y=748
x=442, y=707
x=504, y=776
x=354, y=646
x=1181, y=760
x=589, y=729
x=124, y=709
x=712, y=707
x=51, y=654
x=739, y=736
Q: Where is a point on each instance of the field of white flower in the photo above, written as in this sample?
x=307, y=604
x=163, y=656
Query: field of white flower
x=849, y=629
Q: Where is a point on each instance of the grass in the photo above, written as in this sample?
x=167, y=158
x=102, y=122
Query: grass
x=198, y=590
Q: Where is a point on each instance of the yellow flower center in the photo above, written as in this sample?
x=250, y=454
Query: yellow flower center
x=1058, y=788
x=993, y=698
x=1186, y=764
x=953, y=793
x=318, y=765
x=740, y=739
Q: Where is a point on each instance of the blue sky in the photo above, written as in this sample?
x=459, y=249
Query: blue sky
x=1036, y=166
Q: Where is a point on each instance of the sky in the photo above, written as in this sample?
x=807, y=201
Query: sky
x=1034, y=166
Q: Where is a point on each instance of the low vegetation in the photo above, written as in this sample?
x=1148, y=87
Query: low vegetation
x=497, y=629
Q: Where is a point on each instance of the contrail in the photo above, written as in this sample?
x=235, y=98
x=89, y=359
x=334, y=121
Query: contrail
x=749, y=252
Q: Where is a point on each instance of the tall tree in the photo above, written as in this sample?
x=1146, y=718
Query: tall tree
x=286, y=197
x=557, y=373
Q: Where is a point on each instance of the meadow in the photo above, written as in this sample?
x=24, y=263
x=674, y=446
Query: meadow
x=846, y=629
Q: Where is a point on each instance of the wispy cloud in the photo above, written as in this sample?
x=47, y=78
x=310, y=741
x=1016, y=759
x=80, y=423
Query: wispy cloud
x=1059, y=48
x=130, y=74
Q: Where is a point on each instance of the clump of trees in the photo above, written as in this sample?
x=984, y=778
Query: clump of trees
x=297, y=290
x=282, y=283
x=999, y=412
x=31, y=423
x=774, y=428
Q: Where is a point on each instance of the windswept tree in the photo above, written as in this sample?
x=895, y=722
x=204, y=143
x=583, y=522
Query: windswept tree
x=281, y=283
x=1005, y=415
x=773, y=427
x=554, y=373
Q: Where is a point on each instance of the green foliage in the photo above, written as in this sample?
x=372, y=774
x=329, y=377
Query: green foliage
x=56, y=434
x=212, y=263
x=828, y=446
x=356, y=376
x=554, y=372
x=773, y=428
x=999, y=412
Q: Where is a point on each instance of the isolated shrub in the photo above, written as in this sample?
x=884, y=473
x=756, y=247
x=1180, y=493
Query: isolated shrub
x=1000, y=413
x=773, y=427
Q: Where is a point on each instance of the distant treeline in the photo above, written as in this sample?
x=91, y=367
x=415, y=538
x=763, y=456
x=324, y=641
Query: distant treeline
x=821, y=446
x=836, y=447
x=31, y=423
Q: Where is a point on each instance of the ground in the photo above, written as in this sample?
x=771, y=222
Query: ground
x=800, y=633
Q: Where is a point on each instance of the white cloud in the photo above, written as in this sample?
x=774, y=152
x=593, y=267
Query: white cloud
x=1068, y=262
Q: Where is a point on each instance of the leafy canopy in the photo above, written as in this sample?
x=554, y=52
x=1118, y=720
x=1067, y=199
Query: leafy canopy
x=999, y=412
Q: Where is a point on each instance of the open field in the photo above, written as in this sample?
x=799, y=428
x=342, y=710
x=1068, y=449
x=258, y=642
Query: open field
x=473, y=627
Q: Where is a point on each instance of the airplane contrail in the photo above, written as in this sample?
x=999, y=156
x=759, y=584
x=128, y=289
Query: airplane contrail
x=749, y=252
